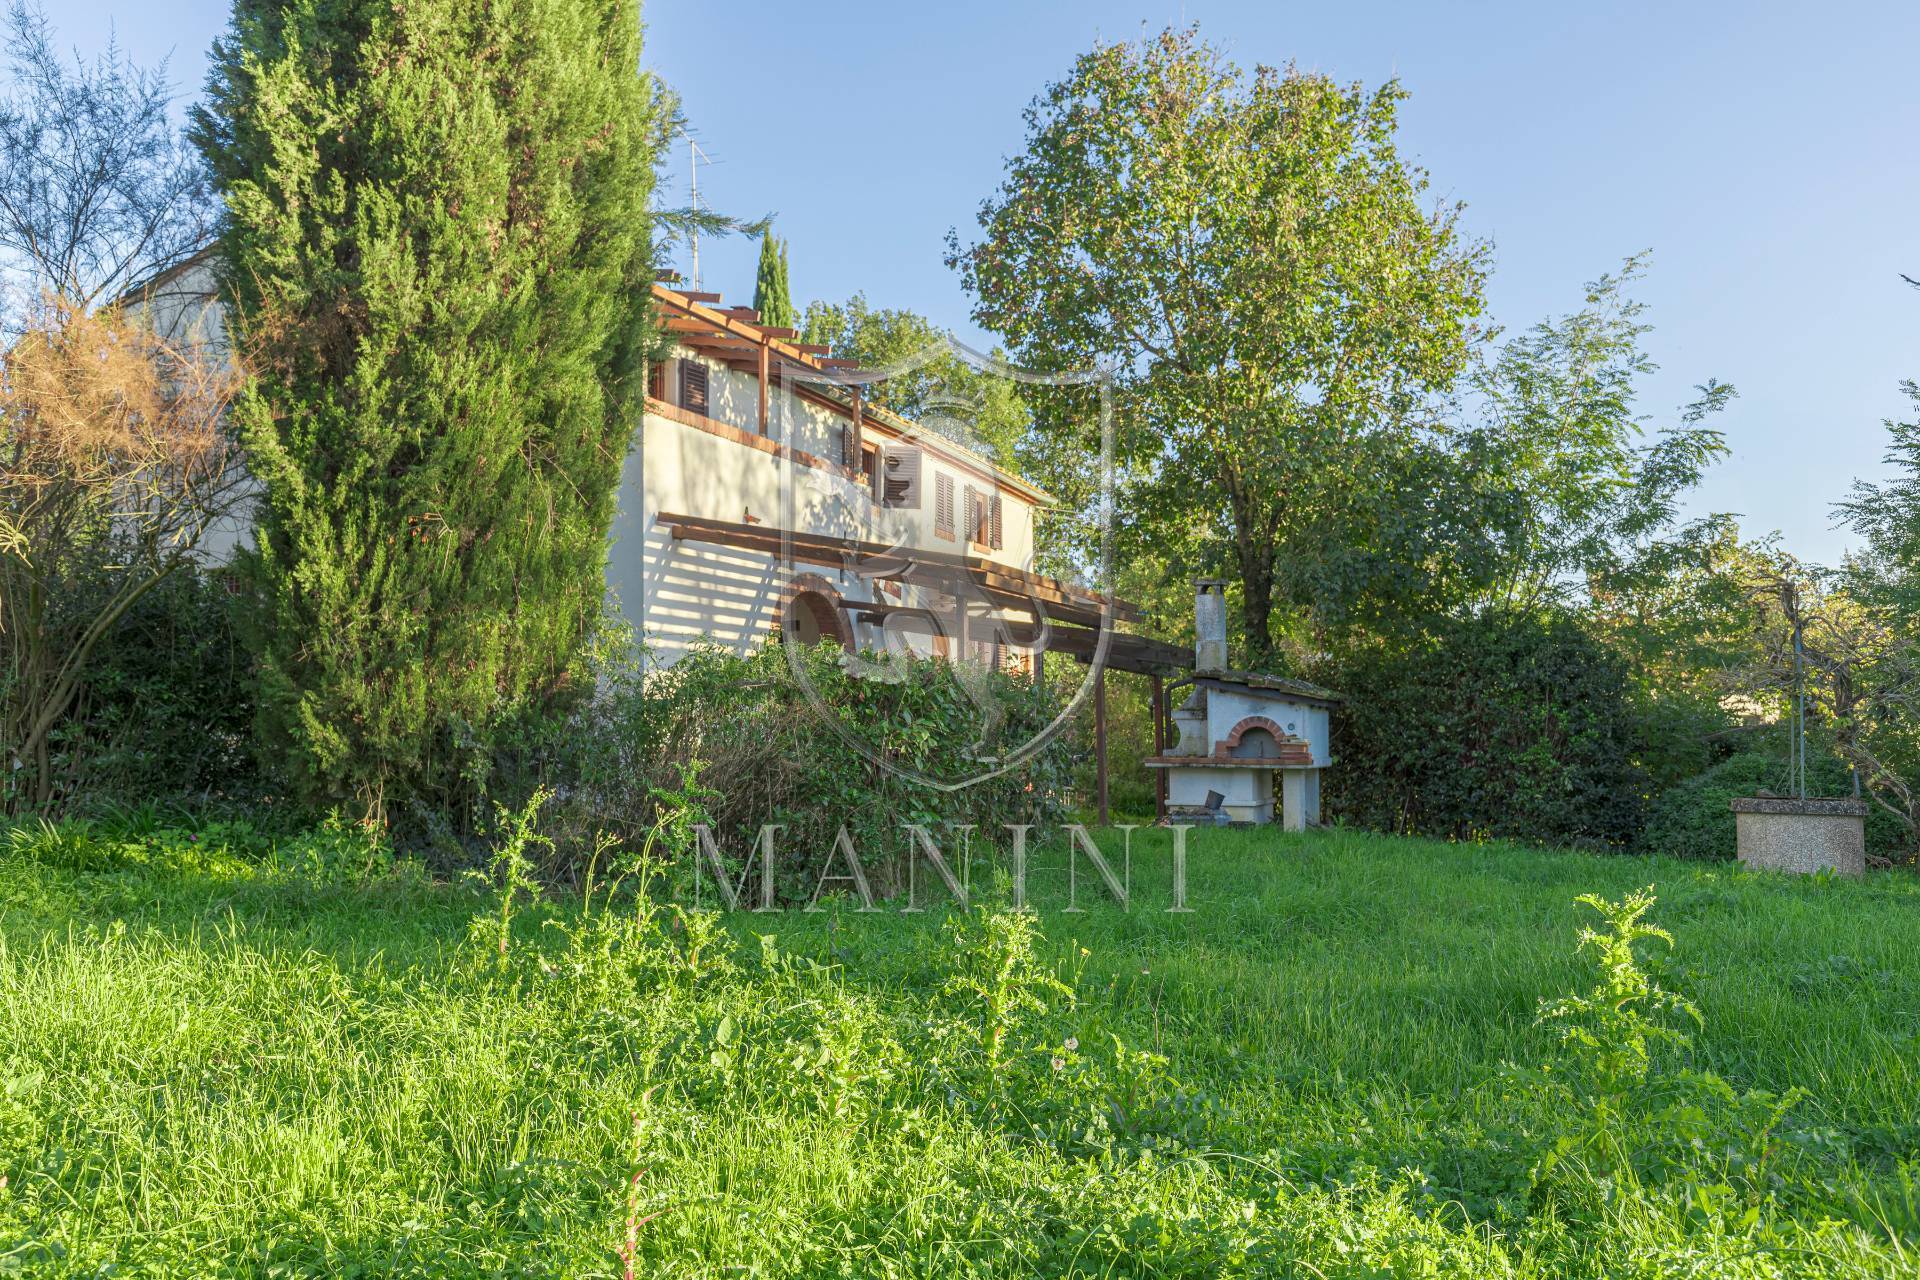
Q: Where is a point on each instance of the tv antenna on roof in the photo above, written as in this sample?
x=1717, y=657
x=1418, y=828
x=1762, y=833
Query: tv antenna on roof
x=695, y=157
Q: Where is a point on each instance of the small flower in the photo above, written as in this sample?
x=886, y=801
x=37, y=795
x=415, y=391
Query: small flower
x=1073, y=1042
x=1059, y=1064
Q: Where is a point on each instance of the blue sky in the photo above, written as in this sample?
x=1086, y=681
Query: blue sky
x=1768, y=155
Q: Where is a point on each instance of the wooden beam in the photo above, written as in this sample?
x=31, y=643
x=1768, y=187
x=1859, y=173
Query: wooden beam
x=1008, y=587
x=1159, y=687
x=1100, y=746
x=763, y=389
x=853, y=449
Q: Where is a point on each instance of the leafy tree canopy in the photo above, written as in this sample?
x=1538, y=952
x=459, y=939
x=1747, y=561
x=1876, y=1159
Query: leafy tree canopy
x=1259, y=267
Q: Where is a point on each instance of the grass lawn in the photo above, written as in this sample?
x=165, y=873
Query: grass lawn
x=1330, y=1067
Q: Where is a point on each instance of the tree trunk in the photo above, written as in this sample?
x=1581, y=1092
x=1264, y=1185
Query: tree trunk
x=1256, y=610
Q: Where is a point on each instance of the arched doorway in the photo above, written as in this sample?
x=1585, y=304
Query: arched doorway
x=810, y=613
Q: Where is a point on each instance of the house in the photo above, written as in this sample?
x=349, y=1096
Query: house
x=765, y=494
x=762, y=493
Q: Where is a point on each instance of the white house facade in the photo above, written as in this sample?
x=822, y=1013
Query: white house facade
x=764, y=493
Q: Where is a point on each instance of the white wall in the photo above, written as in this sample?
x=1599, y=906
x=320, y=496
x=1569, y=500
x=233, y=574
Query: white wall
x=1228, y=707
x=734, y=399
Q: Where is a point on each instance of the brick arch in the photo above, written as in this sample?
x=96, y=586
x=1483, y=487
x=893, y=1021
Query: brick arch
x=1294, y=751
x=1239, y=731
x=821, y=600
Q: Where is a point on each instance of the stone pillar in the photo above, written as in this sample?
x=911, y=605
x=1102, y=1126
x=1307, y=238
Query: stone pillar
x=1311, y=803
x=1293, y=799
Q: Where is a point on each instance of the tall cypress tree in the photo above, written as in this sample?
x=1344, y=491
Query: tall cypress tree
x=437, y=258
x=771, y=296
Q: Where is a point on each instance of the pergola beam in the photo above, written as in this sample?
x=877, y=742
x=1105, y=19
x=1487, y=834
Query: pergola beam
x=1004, y=584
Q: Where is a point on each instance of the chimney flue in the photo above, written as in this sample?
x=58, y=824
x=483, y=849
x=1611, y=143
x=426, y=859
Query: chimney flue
x=1210, y=624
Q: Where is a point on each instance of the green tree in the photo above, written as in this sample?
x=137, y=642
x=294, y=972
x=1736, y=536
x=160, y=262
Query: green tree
x=929, y=383
x=1254, y=260
x=772, y=296
x=438, y=246
x=1586, y=495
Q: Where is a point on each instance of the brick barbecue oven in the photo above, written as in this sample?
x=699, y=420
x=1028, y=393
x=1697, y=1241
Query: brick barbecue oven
x=1240, y=732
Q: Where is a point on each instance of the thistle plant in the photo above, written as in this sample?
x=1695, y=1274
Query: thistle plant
x=511, y=870
x=1608, y=1034
x=996, y=969
x=1609, y=1029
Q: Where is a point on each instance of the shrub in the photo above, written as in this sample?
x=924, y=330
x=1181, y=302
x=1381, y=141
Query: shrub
x=1694, y=820
x=763, y=752
x=1488, y=727
x=166, y=710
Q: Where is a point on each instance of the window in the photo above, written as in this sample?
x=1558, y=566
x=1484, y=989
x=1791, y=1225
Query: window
x=979, y=522
x=693, y=386
x=901, y=480
x=943, y=505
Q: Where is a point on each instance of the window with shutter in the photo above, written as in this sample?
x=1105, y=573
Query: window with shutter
x=993, y=518
x=943, y=505
x=976, y=517
x=693, y=386
x=902, y=480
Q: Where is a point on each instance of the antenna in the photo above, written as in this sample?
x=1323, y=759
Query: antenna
x=694, y=158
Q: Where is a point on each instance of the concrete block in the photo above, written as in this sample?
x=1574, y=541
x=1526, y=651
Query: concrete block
x=1785, y=834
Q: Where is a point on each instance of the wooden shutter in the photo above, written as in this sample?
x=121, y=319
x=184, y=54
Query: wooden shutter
x=902, y=480
x=942, y=505
x=970, y=512
x=693, y=387
x=657, y=380
x=993, y=520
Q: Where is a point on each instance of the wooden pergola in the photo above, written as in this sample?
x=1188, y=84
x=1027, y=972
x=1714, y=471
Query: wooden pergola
x=1059, y=617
